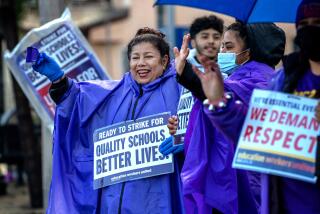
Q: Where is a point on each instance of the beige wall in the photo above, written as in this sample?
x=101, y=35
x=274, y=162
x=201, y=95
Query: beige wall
x=290, y=31
x=185, y=15
x=109, y=41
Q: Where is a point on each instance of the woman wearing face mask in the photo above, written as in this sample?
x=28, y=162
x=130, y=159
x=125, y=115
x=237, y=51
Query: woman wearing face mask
x=234, y=49
x=300, y=76
x=149, y=88
x=210, y=184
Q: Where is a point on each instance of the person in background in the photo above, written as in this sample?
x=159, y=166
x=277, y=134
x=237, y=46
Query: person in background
x=300, y=76
x=84, y=107
x=206, y=35
x=210, y=184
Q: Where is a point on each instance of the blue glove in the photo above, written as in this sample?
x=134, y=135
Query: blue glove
x=45, y=65
x=167, y=146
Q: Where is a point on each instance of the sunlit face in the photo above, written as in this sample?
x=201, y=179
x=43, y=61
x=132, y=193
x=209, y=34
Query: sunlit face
x=207, y=42
x=146, y=63
x=232, y=43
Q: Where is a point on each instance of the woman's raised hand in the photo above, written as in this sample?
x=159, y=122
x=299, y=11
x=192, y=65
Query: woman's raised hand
x=211, y=79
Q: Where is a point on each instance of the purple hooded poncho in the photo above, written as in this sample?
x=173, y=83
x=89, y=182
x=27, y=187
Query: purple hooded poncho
x=286, y=195
x=209, y=181
x=88, y=106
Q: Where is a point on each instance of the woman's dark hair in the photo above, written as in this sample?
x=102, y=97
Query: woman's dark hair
x=295, y=66
x=155, y=37
x=265, y=40
x=242, y=33
x=204, y=23
x=267, y=43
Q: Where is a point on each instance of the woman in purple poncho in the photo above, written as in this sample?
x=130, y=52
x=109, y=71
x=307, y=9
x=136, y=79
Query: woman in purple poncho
x=300, y=76
x=210, y=184
x=149, y=88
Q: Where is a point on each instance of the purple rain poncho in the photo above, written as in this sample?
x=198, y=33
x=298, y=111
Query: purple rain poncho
x=88, y=106
x=286, y=195
x=208, y=179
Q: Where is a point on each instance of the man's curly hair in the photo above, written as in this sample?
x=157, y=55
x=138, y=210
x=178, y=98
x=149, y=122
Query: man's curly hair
x=204, y=23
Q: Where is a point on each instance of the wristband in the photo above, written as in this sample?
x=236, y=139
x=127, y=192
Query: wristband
x=219, y=104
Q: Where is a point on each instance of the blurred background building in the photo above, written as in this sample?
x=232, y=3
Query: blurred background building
x=109, y=25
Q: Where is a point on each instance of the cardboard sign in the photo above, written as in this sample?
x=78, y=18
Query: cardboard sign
x=184, y=108
x=279, y=136
x=63, y=41
x=129, y=150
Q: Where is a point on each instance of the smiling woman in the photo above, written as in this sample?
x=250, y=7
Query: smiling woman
x=85, y=107
x=148, y=56
x=146, y=64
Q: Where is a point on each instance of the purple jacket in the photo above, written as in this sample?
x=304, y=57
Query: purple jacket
x=285, y=195
x=88, y=106
x=208, y=179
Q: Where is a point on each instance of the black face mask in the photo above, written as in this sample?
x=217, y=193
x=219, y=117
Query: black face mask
x=308, y=39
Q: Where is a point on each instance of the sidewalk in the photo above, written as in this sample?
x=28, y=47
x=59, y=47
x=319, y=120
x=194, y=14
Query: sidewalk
x=17, y=201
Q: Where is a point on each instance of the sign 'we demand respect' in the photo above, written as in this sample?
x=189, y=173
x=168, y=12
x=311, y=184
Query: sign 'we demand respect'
x=279, y=136
x=130, y=150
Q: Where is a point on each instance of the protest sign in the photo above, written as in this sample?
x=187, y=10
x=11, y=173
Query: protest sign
x=279, y=136
x=63, y=41
x=184, y=108
x=129, y=150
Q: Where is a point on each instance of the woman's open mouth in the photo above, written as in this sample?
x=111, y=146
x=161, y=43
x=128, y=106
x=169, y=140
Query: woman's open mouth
x=143, y=73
